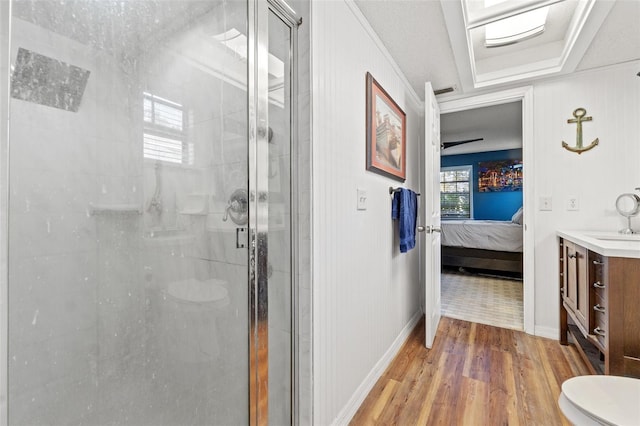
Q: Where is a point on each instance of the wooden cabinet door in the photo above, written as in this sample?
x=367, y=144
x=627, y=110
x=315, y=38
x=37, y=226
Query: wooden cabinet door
x=576, y=285
x=582, y=285
x=570, y=276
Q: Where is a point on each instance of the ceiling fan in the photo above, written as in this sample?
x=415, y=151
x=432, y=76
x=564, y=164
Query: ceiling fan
x=445, y=145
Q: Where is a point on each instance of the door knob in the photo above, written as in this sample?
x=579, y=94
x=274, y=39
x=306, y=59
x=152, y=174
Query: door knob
x=421, y=228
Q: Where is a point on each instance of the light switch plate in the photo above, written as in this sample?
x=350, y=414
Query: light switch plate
x=546, y=204
x=362, y=199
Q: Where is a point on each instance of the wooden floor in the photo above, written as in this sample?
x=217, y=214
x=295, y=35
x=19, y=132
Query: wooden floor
x=474, y=375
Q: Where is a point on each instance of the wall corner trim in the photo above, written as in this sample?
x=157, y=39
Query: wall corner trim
x=418, y=103
x=351, y=407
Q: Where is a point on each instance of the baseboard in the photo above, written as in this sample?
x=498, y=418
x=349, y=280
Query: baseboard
x=548, y=332
x=349, y=410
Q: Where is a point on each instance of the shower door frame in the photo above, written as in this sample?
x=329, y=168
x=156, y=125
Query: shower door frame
x=258, y=156
x=5, y=44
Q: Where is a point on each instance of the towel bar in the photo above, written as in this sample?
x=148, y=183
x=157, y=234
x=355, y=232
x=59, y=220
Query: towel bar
x=392, y=190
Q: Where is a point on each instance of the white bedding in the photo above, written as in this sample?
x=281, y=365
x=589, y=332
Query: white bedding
x=482, y=234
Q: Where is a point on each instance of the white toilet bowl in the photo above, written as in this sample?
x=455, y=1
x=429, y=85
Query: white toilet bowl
x=191, y=308
x=601, y=400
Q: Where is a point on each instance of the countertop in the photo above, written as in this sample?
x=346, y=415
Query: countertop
x=606, y=243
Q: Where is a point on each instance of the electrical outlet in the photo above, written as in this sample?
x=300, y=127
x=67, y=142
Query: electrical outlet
x=573, y=203
x=545, y=204
x=361, y=199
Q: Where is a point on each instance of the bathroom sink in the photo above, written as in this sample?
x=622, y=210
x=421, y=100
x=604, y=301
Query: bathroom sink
x=616, y=237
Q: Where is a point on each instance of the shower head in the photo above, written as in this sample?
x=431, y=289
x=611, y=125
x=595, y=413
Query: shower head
x=48, y=81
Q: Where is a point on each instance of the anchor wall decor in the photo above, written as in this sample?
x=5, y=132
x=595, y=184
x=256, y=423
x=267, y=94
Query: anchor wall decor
x=579, y=115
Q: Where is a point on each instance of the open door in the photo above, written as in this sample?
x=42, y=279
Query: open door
x=432, y=214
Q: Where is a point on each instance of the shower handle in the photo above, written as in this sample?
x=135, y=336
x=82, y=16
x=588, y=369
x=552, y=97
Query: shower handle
x=238, y=243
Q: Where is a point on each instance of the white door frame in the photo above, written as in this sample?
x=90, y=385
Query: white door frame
x=525, y=95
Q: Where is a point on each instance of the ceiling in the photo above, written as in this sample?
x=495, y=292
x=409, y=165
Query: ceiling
x=500, y=127
x=434, y=53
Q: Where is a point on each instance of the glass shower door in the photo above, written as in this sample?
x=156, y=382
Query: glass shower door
x=128, y=213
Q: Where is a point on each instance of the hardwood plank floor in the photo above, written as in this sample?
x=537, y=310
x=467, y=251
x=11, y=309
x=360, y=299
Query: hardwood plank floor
x=475, y=374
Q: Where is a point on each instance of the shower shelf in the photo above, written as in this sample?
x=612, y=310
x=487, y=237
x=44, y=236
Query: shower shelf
x=122, y=209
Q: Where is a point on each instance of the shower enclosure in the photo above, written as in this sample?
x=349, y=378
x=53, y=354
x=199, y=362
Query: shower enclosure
x=147, y=204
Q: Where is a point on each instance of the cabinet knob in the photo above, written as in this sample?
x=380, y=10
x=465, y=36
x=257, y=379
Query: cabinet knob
x=598, y=331
x=573, y=256
x=598, y=308
x=598, y=284
x=597, y=262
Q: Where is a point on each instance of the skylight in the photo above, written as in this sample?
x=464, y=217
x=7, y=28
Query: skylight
x=515, y=28
x=557, y=33
x=235, y=41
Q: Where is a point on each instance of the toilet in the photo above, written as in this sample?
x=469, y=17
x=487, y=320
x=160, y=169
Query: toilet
x=601, y=400
x=191, y=310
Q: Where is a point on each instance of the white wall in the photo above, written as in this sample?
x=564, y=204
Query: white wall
x=365, y=292
x=612, y=97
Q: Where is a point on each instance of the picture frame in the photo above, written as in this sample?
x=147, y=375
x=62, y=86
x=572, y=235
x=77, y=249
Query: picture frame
x=386, y=133
x=500, y=175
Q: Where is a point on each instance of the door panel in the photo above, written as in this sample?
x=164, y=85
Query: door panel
x=432, y=216
x=128, y=293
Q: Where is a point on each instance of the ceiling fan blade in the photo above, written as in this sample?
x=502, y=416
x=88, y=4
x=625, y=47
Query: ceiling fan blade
x=446, y=145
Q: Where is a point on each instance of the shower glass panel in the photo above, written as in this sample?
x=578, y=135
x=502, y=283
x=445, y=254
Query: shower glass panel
x=279, y=234
x=128, y=296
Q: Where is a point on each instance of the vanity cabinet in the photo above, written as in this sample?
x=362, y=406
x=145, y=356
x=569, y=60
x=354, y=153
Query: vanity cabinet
x=600, y=308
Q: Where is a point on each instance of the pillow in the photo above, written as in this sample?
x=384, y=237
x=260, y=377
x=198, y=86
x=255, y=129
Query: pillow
x=517, y=217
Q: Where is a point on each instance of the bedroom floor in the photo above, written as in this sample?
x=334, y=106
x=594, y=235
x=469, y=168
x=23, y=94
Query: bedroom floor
x=483, y=299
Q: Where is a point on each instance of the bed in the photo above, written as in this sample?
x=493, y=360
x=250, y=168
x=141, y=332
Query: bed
x=482, y=244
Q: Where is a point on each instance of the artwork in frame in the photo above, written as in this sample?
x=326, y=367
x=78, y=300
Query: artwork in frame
x=386, y=133
x=500, y=176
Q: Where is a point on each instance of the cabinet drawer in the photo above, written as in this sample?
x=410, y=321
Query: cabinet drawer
x=599, y=303
x=600, y=320
x=596, y=264
x=599, y=312
x=600, y=332
x=599, y=288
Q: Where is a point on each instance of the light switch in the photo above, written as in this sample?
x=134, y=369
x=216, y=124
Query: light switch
x=545, y=204
x=362, y=199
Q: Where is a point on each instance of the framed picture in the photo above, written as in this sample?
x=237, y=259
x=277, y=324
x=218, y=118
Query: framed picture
x=500, y=176
x=386, y=133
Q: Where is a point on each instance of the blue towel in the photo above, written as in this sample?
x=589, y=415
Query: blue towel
x=404, y=208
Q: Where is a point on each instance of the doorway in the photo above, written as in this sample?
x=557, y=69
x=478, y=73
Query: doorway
x=523, y=95
x=481, y=201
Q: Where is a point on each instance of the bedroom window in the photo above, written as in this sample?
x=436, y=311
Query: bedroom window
x=455, y=192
